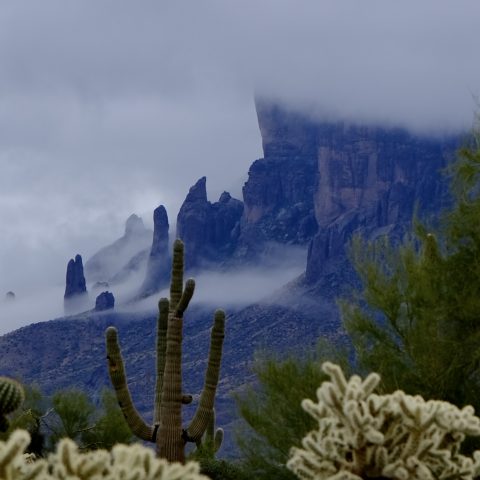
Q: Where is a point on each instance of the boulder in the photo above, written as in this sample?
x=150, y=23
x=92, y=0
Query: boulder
x=10, y=296
x=104, y=301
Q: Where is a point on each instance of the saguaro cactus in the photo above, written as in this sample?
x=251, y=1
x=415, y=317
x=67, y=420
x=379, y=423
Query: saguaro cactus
x=167, y=431
x=11, y=397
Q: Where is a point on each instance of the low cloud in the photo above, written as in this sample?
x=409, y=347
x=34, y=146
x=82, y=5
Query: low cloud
x=235, y=287
x=109, y=109
x=44, y=304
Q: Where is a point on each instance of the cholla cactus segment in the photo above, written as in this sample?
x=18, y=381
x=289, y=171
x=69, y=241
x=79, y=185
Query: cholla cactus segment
x=363, y=435
x=133, y=462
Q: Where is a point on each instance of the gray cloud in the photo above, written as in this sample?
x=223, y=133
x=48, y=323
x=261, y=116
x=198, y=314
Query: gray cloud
x=108, y=109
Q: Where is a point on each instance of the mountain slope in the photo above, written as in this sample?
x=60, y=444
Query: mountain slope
x=70, y=352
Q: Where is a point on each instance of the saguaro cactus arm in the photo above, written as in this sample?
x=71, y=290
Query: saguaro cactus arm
x=187, y=295
x=212, y=438
x=176, y=282
x=202, y=416
x=116, y=370
x=162, y=324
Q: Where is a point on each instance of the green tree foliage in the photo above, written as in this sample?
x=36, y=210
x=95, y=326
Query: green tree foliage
x=110, y=428
x=69, y=413
x=271, y=409
x=417, y=319
x=217, y=469
x=75, y=416
x=72, y=415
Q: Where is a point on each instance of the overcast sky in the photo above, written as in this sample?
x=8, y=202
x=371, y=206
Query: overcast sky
x=109, y=108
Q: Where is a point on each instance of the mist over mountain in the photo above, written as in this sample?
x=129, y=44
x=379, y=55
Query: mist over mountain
x=109, y=261
x=109, y=110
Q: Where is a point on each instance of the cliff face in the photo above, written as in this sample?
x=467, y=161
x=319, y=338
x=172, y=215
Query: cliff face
x=320, y=182
x=278, y=195
x=369, y=181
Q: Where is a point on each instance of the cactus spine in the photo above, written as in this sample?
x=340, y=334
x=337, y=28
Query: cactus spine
x=167, y=431
x=11, y=397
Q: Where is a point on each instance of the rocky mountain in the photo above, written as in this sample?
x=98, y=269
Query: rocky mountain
x=76, y=356
x=115, y=262
x=318, y=184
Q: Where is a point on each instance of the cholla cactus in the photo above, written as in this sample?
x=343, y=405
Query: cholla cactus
x=133, y=462
x=362, y=435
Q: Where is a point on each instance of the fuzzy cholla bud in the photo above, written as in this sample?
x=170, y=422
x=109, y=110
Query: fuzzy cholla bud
x=364, y=435
x=132, y=462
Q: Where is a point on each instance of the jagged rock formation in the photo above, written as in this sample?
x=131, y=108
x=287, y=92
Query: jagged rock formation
x=317, y=185
x=209, y=231
x=114, y=262
x=75, y=297
x=158, y=266
x=104, y=301
x=319, y=182
x=75, y=279
x=10, y=296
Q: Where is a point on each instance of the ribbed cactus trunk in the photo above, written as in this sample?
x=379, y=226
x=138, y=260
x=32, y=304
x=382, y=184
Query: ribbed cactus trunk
x=167, y=431
x=170, y=443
